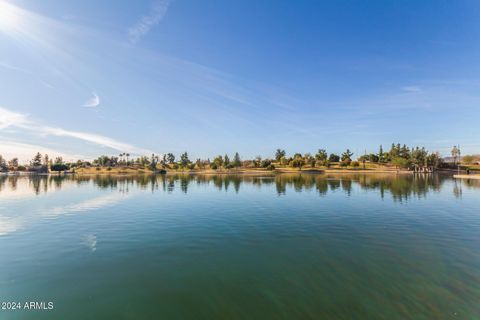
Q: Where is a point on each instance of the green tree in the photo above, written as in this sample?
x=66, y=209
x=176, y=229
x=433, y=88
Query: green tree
x=218, y=161
x=13, y=163
x=3, y=164
x=434, y=160
x=46, y=160
x=184, y=161
x=321, y=155
x=279, y=154
x=237, y=162
x=381, y=155
x=418, y=156
x=333, y=157
x=265, y=163
x=257, y=161
x=309, y=160
x=298, y=161
x=153, y=162
x=400, y=162
x=226, y=161
x=37, y=160
x=58, y=165
x=170, y=158
x=347, y=157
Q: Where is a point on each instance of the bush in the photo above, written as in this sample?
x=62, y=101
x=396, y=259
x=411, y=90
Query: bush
x=109, y=168
x=333, y=158
x=58, y=167
x=214, y=166
x=98, y=168
x=400, y=162
x=265, y=163
x=270, y=167
x=345, y=163
x=355, y=164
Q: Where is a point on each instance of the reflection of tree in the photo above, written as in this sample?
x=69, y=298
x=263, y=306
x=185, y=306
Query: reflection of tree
x=457, y=189
x=347, y=186
x=3, y=179
x=401, y=187
x=12, y=181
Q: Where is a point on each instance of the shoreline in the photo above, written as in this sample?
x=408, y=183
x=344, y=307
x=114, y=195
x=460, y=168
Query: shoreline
x=237, y=172
x=467, y=176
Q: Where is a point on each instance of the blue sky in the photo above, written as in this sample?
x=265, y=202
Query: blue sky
x=83, y=78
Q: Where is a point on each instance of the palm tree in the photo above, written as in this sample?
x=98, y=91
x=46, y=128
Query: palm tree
x=128, y=155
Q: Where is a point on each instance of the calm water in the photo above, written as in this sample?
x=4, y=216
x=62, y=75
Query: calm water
x=216, y=247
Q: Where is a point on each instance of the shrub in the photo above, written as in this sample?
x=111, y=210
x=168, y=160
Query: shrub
x=98, y=168
x=345, y=162
x=265, y=163
x=400, y=162
x=58, y=167
x=109, y=168
x=214, y=166
x=333, y=157
x=355, y=164
x=270, y=167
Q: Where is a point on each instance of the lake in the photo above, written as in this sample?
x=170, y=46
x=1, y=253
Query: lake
x=373, y=246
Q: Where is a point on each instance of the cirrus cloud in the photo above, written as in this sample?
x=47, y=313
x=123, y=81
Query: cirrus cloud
x=11, y=119
x=93, y=102
x=147, y=22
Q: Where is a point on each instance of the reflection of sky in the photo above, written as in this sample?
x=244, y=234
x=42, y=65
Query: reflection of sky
x=90, y=241
x=23, y=189
x=21, y=206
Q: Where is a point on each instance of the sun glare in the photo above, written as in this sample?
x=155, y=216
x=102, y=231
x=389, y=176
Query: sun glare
x=9, y=17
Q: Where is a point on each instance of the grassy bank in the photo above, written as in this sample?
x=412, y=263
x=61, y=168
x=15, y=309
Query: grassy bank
x=124, y=170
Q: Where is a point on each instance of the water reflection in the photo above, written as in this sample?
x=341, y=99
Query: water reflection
x=400, y=187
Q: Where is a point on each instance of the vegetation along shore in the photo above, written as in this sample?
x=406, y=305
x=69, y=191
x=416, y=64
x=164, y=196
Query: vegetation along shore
x=399, y=158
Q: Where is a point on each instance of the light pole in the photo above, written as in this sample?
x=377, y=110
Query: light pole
x=459, y=160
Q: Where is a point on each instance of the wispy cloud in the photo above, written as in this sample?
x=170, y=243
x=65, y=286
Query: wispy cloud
x=10, y=119
x=94, y=138
x=24, y=151
x=9, y=66
x=147, y=22
x=93, y=102
x=412, y=89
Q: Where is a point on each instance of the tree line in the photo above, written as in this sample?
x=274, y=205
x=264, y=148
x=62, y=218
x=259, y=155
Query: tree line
x=398, y=155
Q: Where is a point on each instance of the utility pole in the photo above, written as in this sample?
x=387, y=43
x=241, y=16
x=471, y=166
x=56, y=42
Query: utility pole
x=459, y=159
